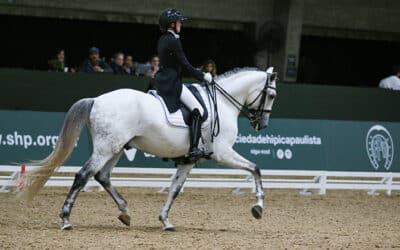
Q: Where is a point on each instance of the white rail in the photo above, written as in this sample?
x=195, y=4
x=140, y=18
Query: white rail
x=307, y=180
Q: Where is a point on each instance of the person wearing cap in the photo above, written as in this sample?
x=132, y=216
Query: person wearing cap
x=94, y=64
x=168, y=79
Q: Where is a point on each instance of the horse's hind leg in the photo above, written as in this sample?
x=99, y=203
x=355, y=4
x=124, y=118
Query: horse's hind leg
x=90, y=168
x=181, y=174
x=103, y=177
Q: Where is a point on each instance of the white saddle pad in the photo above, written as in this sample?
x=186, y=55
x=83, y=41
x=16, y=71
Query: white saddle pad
x=176, y=118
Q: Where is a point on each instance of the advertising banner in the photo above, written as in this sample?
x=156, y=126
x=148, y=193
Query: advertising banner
x=27, y=135
x=292, y=144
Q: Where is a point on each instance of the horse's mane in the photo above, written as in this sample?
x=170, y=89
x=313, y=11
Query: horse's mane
x=235, y=71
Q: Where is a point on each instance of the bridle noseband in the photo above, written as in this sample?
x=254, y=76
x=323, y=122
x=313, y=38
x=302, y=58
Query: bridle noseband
x=253, y=114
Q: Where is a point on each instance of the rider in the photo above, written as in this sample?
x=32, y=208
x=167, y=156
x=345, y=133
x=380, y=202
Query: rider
x=169, y=80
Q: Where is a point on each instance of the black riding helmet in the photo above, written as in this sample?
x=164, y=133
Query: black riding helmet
x=169, y=16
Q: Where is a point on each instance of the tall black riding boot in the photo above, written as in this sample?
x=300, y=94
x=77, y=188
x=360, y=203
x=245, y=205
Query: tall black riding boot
x=195, y=133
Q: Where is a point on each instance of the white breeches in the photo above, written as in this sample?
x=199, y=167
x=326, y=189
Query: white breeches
x=190, y=101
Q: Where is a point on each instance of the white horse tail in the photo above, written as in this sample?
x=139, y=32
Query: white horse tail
x=75, y=119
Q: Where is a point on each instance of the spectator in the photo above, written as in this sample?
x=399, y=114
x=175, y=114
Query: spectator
x=209, y=67
x=94, y=64
x=393, y=81
x=129, y=65
x=117, y=64
x=57, y=64
x=154, y=66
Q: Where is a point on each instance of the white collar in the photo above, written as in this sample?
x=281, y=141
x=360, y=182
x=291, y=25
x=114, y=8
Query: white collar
x=173, y=33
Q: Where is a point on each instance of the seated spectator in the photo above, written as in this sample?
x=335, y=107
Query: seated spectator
x=393, y=81
x=209, y=67
x=117, y=64
x=94, y=64
x=129, y=65
x=57, y=64
x=154, y=66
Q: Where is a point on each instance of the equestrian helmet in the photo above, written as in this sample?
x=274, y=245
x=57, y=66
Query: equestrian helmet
x=169, y=16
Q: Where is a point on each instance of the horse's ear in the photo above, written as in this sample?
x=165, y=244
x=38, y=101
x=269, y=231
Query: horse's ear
x=270, y=70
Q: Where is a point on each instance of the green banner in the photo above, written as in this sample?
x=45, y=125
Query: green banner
x=292, y=144
x=27, y=135
x=322, y=145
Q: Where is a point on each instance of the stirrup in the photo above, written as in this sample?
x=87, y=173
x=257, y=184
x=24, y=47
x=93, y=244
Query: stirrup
x=207, y=155
x=196, y=154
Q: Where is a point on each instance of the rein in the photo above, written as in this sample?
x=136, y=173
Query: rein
x=215, y=126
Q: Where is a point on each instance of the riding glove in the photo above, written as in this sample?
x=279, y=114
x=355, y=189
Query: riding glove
x=208, y=77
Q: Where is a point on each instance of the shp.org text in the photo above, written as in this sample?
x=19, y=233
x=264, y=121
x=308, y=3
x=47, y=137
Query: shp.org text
x=26, y=140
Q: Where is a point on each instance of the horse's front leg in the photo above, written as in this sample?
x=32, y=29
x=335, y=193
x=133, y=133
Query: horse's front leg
x=181, y=174
x=232, y=159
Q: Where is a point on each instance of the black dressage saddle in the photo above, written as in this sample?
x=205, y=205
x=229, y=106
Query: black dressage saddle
x=185, y=110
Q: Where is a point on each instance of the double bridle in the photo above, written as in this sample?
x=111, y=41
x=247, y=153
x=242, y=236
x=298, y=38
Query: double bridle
x=253, y=114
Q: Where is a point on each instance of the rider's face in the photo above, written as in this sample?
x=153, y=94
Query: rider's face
x=178, y=26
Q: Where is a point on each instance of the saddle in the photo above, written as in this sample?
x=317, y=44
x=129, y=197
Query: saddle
x=181, y=118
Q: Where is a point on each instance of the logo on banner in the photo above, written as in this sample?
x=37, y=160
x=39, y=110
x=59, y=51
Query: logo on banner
x=379, y=147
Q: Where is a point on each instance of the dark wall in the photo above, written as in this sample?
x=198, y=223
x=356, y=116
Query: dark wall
x=28, y=42
x=50, y=91
x=354, y=62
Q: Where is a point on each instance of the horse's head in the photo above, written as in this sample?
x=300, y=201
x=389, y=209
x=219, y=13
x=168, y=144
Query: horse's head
x=251, y=91
x=260, y=100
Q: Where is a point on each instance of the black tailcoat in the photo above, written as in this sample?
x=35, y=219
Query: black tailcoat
x=169, y=77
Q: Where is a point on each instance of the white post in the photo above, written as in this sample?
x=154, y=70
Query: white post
x=322, y=182
x=389, y=182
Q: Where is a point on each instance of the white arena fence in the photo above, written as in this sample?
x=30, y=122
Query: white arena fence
x=305, y=180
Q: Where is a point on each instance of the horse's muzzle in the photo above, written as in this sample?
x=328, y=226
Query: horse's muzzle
x=261, y=124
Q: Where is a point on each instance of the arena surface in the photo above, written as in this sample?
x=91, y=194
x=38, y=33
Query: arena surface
x=205, y=219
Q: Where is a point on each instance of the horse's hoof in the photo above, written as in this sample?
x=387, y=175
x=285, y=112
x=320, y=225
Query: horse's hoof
x=257, y=211
x=125, y=218
x=169, y=228
x=66, y=227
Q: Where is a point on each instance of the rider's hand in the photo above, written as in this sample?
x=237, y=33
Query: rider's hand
x=208, y=77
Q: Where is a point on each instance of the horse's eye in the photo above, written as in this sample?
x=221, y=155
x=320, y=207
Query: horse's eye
x=271, y=94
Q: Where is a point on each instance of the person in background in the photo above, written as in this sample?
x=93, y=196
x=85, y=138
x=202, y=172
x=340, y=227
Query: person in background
x=57, y=64
x=393, y=81
x=129, y=65
x=154, y=66
x=94, y=64
x=209, y=66
x=117, y=64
